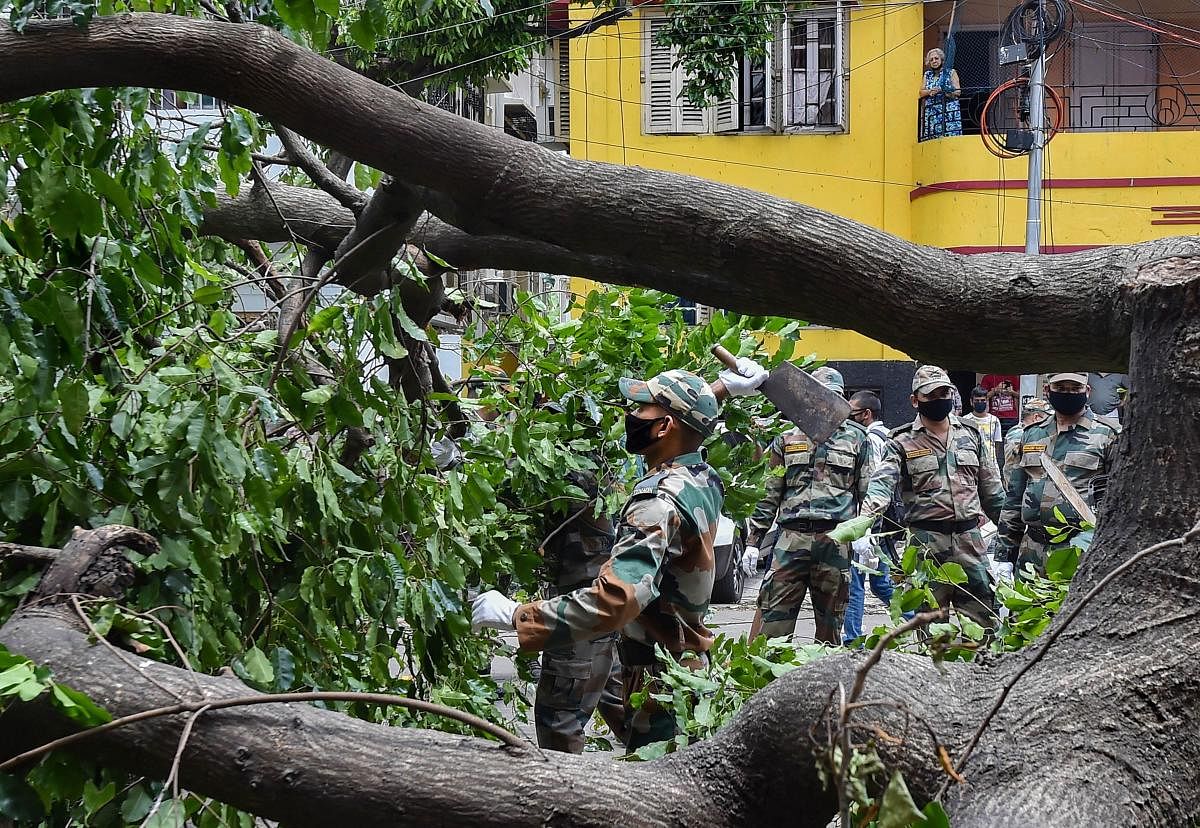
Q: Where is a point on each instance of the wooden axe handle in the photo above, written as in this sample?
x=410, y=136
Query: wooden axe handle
x=729, y=361
x=723, y=354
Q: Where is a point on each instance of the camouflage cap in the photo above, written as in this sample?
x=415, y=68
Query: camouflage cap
x=682, y=392
x=1035, y=405
x=929, y=377
x=1082, y=379
x=831, y=378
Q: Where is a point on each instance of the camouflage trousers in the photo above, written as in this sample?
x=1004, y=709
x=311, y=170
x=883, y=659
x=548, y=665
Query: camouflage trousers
x=806, y=562
x=1035, y=553
x=576, y=681
x=650, y=722
x=974, y=599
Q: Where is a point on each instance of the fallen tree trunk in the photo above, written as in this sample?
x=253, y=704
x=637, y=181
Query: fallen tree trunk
x=734, y=248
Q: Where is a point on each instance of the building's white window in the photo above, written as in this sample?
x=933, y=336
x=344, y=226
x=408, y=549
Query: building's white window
x=799, y=85
x=814, y=68
x=170, y=99
x=664, y=109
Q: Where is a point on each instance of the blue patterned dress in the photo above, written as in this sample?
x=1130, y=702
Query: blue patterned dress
x=940, y=115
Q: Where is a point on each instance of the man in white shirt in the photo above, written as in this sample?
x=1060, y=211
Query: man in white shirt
x=987, y=424
x=865, y=409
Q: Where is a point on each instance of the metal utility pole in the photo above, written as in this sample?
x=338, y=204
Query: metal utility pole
x=1037, y=121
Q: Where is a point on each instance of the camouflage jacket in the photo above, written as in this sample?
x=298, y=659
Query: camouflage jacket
x=935, y=483
x=1012, y=449
x=656, y=586
x=1082, y=451
x=581, y=539
x=822, y=482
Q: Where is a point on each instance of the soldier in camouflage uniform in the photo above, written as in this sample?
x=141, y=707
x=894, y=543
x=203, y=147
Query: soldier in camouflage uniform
x=821, y=486
x=656, y=586
x=948, y=483
x=584, y=675
x=1033, y=410
x=1081, y=445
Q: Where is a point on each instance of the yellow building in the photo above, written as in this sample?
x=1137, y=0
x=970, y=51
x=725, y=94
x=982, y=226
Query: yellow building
x=831, y=119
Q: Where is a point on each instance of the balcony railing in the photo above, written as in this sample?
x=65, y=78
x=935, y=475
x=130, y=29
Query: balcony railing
x=1090, y=108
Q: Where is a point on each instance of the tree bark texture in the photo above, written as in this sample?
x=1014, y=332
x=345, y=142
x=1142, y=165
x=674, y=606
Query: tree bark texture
x=1101, y=732
x=732, y=247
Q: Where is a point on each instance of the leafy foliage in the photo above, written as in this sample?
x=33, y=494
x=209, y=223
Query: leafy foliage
x=704, y=698
x=133, y=390
x=713, y=38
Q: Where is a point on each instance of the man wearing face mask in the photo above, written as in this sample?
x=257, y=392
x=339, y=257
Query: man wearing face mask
x=1081, y=445
x=948, y=485
x=656, y=586
x=821, y=485
x=987, y=424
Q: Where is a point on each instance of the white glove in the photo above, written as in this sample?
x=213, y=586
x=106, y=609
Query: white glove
x=862, y=548
x=494, y=610
x=745, y=380
x=750, y=560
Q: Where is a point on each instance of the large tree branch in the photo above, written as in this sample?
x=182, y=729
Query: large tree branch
x=326, y=222
x=347, y=194
x=749, y=251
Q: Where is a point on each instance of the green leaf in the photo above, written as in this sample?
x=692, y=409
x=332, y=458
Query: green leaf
x=258, y=667
x=1062, y=563
x=208, y=294
x=897, y=809
x=935, y=816
x=170, y=814
x=319, y=395
x=78, y=707
x=73, y=397
x=18, y=801
x=15, y=499
x=953, y=573
x=137, y=804
x=654, y=750
x=284, y=665
x=852, y=529
x=96, y=798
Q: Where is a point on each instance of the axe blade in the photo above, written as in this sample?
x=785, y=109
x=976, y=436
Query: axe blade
x=805, y=401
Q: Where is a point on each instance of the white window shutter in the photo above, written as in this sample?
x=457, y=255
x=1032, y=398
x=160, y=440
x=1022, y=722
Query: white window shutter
x=725, y=111
x=562, y=108
x=659, y=99
x=688, y=116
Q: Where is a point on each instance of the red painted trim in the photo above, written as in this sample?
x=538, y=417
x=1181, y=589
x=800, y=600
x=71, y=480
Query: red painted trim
x=1054, y=183
x=971, y=249
x=1173, y=207
x=1195, y=220
x=1186, y=214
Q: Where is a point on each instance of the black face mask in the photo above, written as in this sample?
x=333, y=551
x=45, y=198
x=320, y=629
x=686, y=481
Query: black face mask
x=637, y=433
x=936, y=410
x=979, y=407
x=1067, y=402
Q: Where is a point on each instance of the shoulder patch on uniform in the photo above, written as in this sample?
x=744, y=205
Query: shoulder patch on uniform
x=1029, y=448
x=793, y=448
x=1115, y=425
x=911, y=455
x=904, y=429
x=648, y=485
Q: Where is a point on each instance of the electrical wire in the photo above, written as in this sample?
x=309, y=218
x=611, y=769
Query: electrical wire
x=640, y=37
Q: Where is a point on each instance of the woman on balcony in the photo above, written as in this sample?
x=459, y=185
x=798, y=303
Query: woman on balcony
x=940, y=115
